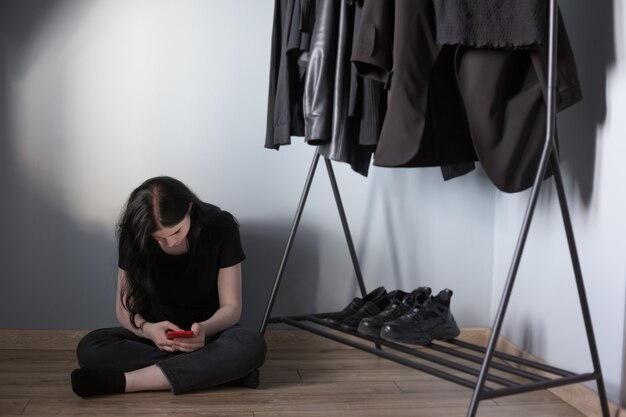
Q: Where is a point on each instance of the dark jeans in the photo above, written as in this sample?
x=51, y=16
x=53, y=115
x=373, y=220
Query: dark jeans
x=226, y=357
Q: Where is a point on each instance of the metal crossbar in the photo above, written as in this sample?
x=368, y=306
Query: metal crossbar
x=509, y=387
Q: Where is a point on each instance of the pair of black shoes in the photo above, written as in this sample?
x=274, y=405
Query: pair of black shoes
x=400, y=303
x=359, y=308
x=432, y=320
x=416, y=317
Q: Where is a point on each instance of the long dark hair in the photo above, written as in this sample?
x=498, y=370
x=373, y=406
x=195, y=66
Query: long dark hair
x=170, y=198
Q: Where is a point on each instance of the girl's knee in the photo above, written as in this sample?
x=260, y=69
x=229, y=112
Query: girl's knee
x=84, y=350
x=88, y=349
x=249, y=343
x=257, y=347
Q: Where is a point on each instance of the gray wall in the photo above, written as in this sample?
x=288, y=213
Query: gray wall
x=98, y=95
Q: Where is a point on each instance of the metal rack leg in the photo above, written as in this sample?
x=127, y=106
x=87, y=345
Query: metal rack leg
x=541, y=170
x=346, y=229
x=506, y=294
x=294, y=228
x=584, y=305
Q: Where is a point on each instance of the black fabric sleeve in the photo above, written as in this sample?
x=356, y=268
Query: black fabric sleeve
x=231, y=251
x=373, y=46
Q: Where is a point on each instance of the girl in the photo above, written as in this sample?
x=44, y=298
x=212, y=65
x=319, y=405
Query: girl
x=179, y=269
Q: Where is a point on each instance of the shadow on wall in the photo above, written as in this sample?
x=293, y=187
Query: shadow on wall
x=592, y=33
x=264, y=245
x=56, y=274
x=592, y=36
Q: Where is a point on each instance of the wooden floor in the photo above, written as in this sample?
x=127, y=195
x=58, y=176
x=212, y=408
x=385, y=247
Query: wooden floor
x=304, y=376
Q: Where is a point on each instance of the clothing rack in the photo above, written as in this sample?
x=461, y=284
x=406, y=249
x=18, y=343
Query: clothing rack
x=448, y=354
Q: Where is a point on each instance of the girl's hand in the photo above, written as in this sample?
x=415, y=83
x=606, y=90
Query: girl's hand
x=190, y=344
x=157, y=332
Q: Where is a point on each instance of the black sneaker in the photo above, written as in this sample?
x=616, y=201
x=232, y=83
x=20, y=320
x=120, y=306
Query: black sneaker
x=354, y=306
x=370, y=308
x=399, y=305
x=421, y=325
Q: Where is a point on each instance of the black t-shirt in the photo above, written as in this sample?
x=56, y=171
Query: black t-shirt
x=187, y=288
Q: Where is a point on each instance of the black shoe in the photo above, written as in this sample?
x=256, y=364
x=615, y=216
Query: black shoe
x=421, y=325
x=399, y=305
x=250, y=381
x=354, y=306
x=87, y=382
x=370, y=308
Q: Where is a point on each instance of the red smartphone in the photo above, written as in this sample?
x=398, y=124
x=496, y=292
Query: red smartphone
x=171, y=334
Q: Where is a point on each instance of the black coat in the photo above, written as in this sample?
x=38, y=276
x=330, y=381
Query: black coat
x=327, y=87
x=454, y=103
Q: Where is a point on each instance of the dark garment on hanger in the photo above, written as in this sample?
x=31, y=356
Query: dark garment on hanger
x=320, y=75
x=368, y=109
x=327, y=87
x=368, y=98
x=284, y=108
x=298, y=58
x=491, y=23
x=450, y=172
x=501, y=94
x=505, y=100
x=397, y=46
x=372, y=53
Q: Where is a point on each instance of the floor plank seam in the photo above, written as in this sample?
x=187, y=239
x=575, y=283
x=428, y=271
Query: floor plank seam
x=399, y=387
x=25, y=406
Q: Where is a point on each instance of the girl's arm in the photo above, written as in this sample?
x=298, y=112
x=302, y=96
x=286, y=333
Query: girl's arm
x=229, y=290
x=121, y=312
x=153, y=331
